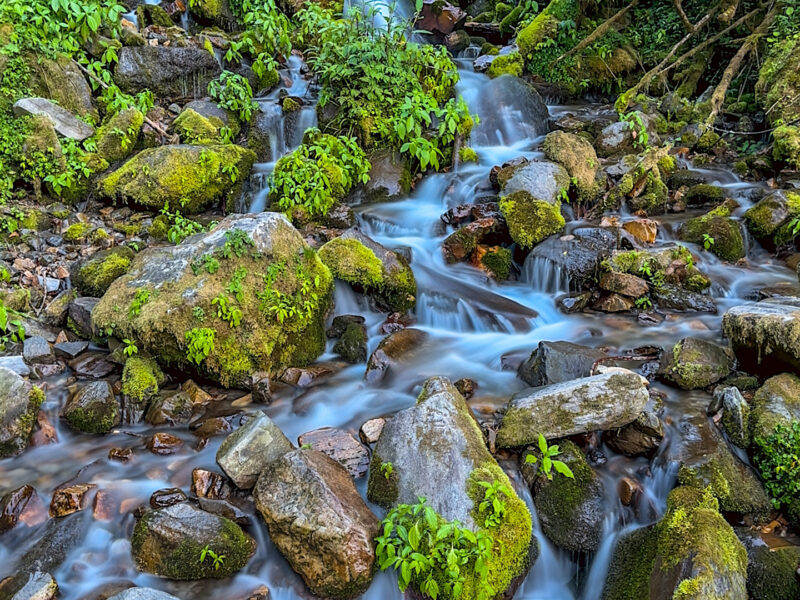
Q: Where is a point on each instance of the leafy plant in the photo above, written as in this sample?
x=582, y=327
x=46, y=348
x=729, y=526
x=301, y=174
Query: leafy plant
x=233, y=92
x=236, y=242
x=708, y=241
x=548, y=461
x=141, y=298
x=130, y=347
x=638, y=129
x=199, y=314
x=181, y=227
x=11, y=330
x=644, y=303
x=232, y=315
x=387, y=469
x=493, y=503
x=219, y=559
x=778, y=460
x=200, y=343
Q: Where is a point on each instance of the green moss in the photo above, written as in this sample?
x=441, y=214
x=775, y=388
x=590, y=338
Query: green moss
x=530, y=220
x=94, y=275
x=498, y=261
x=290, y=105
x=116, y=139
x=654, y=199
x=94, y=419
x=159, y=228
x=467, y=155
x=787, y=145
x=775, y=403
x=506, y=64
x=77, y=232
x=704, y=193
x=667, y=165
x=35, y=220
x=726, y=233
x=210, y=10
x=352, y=345
x=382, y=491
x=772, y=572
x=194, y=128
x=269, y=80
x=141, y=378
x=578, y=157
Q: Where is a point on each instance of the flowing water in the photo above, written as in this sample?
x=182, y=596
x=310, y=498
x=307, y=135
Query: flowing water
x=475, y=325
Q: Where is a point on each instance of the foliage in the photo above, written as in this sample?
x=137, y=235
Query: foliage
x=141, y=298
x=200, y=343
x=638, y=129
x=233, y=92
x=11, y=330
x=219, y=559
x=548, y=461
x=493, y=503
x=432, y=554
x=387, y=469
x=130, y=347
x=266, y=35
x=181, y=226
x=708, y=241
x=281, y=306
x=644, y=303
x=236, y=242
x=226, y=311
x=778, y=460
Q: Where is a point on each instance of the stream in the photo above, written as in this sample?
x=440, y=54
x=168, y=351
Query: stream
x=477, y=327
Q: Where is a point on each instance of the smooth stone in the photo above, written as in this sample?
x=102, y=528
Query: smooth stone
x=341, y=446
x=15, y=363
x=64, y=121
x=36, y=350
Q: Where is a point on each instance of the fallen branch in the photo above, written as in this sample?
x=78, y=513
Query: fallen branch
x=599, y=32
x=687, y=24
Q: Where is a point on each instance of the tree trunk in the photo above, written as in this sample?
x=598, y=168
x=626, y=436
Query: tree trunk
x=599, y=32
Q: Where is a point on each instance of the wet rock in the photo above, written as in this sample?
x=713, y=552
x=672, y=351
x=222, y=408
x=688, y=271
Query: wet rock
x=307, y=376
x=440, y=17
x=461, y=244
x=643, y=436
x=93, y=409
x=726, y=233
x=556, y=362
x=765, y=335
x=578, y=157
x=769, y=218
x=618, y=138
x=340, y=324
x=439, y=437
x=389, y=177
x=19, y=403
x=167, y=497
x=735, y=415
x=319, y=522
x=628, y=490
x=381, y=273
x=165, y=70
x=370, y=431
x=163, y=323
x=92, y=275
x=341, y=446
x=247, y=451
x=64, y=122
x=677, y=298
x=686, y=178
x=164, y=443
x=116, y=140
x=170, y=409
x=69, y=499
x=614, y=303
x=168, y=542
x=352, y=345
x=139, y=593
x=36, y=351
x=643, y=231
x=456, y=41
x=624, y=284
x=466, y=387
x=597, y=403
x=120, y=454
x=225, y=509
x=207, y=484
x=776, y=403
x=70, y=350
x=703, y=193
x=694, y=363
x=22, y=504
x=40, y=586
x=690, y=553
x=706, y=461
x=15, y=364
x=197, y=395
x=393, y=350
x=571, y=511
x=771, y=569
x=213, y=112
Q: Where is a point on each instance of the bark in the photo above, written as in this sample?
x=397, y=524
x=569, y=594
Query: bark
x=599, y=32
x=687, y=24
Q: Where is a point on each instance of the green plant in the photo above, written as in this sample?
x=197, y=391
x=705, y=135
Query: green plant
x=200, y=343
x=235, y=286
x=646, y=269
x=181, y=227
x=432, y=554
x=236, y=242
x=233, y=92
x=232, y=315
x=644, y=303
x=493, y=503
x=130, y=347
x=11, y=330
x=708, y=241
x=638, y=129
x=139, y=299
x=548, y=461
x=387, y=469
x=199, y=314
x=219, y=559
x=777, y=457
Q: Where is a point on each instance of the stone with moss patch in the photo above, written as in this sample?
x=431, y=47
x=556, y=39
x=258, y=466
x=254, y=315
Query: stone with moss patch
x=19, y=405
x=727, y=240
x=694, y=363
x=382, y=273
x=188, y=178
x=771, y=569
x=771, y=219
x=579, y=159
x=194, y=128
x=530, y=220
x=497, y=260
x=77, y=232
x=141, y=378
x=117, y=137
x=776, y=403
x=352, y=345
x=93, y=409
x=439, y=437
x=94, y=274
x=506, y=64
x=704, y=193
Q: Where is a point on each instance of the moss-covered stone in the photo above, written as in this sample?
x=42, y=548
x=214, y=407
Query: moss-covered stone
x=497, y=260
x=18, y=412
x=188, y=178
x=545, y=25
x=694, y=363
x=771, y=571
x=117, y=137
x=194, y=128
x=467, y=155
x=704, y=193
x=152, y=14
x=578, y=157
x=786, y=146
x=727, y=240
x=93, y=275
x=141, y=378
x=769, y=218
x=506, y=64
x=777, y=402
x=352, y=345
x=530, y=220
x=653, y=200
x=61, y=80
x=93, y=409
x=77, y=232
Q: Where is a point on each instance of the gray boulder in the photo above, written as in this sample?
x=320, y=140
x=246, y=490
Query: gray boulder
x=393, y=350
x=694, y=363
x=40, y=586
x=64, y=122
x=541, y=179
x=166, y=70
x=36, y=350
x=19, y=403
x=771, y=567
x=556, y=362
x=777, y=402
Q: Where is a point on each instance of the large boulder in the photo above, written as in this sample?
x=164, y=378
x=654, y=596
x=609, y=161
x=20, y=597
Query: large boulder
x=694, y=363
x=319, y=522
x=556, y=362
x=382, y=273
x=62, y=81
x=19, y=404
x=776, y=403
x=691, y=553
x=176, y=303
x=726, y=233
x=623, y=137
x=597, y=403
x=247, y=451
x=769, y=219
x=188, y=178
x=64, y=122
x=771, y=570
x=578, y=157
x=765, y=335
x=389, y=177
x=166, y=70
x=439, y=439
x=116, y=138
x=169, y=542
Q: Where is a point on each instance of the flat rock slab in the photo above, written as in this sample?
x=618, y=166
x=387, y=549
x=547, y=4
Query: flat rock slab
x=70, y=349
x=597, y=403
x=36, y=350
x=64, y=121
x=143, y=594
x=341, y=446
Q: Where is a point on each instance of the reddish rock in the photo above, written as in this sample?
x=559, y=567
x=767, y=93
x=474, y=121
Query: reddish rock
x=197, y=395
x=615, y=303
x=120, y=454
x=460, y=244
x=341, y=446
x=305, y=376
x=440, y=17
x=466, y=387
x=628, y=489
x=22, y=504
x=164, y=443
x=625, y=284
x=70, y=499
x=394, y=349
x=643, y=230
x=167, y=497
x=46, y=434
x=106, y=505
x=208, y=484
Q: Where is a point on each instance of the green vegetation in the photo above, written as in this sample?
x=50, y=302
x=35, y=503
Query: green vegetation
x=11, y=330
x=778, y=460
x=130, y=347
x=233, y=92
x=199, y=344
x=387, y=469
x=218, y=559
x=139, y=300
x=548, y=461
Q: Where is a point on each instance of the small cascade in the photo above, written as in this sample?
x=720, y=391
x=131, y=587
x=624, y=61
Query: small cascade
x=544, y=275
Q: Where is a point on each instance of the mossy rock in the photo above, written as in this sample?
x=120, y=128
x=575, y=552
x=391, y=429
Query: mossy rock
x=578, y=157
x=77, y=232
x=506, y=64
x=726, y=233
x=189, y=178
x=176, y=293
x=776, y=403
x=19, y=405
x=654, y=198
x=771, y=214
x=117, y=137
x=778, y=81
x=352, y=345
x=545, y=25
x=771, y=571
x=42, y=139
x=382, y=273
x=153, y=14
x=62, y=81
x=694, y=363
x=690, y=554
x=93, y=409
x=497, y=260
x=94, y=274
x=530, y=220
x=141, y=378
x=194, y=128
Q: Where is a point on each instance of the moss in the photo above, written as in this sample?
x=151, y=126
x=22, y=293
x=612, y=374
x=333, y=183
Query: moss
x=116, y=139
x=772, y=572
x=210, y=10
x=530, y=220
x=35, y=220
x=97, y=418
x=352, y=345
x=727, y=235
x=141, y=378
x=498, y=261
x=654, y=199
x=769, y=214
x=290, y=105
x=77, y=232
x=194, y=128
x=152, y=14
x=704, y=193
x=775, y=403
x=467, y=155
x=382, y=491
x=159, y=228
x=95, y=275
x=269, y=80
x=787, y=145
x=188, y=178
x=667, y=165
x=506, y=64
x=578, y=157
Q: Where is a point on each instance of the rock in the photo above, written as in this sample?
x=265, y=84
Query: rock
x=177, y=177
x=120, y=454
x=79, y=319
x=341, y=446
x=676, y=298
x=618, y=138
x=340, y=324
x=768, y=219
x=116, y=139
x=393, y=350
x=776, y=403
x=644, y=231
x=169, y=409
x=628, y=489
x=93, y=409
x=389, y=177
x=597, y=403
x=62, y=81
x=166, y=70
x=418, y=442
x=352, y=345
x=578, y=157
x=307, y=376
x=64, y=122
x=691, y=553
x=556, y=362
x=168, y=542
x=167, y=497
x=613, y=303
x=765, y=335
x=193, y=128
x=530, y=220
x=643, y=436
x=70, y=499
x=703, y=193
x=164, y=443
x=19, y=403
x=22, y=504
x=382, y=273
x=726, y=233
x=735, y=415
x=771, y=571
x=140, y=593
x=694, y=363
x=370, y=431
x=170, y=294
x=92, y=365
x=461, y=244
x=686, y=178
x=456, y=41
x=440, y=17
x=207, y=484
x=141, y=378
x=624, y=284
x=70, y=350
x=94, y=274
x=40, y=586
x=247, y=451
x=571, y=511
x=706, y=461
x=16, y=364
x=36, y=350
x=216, y=114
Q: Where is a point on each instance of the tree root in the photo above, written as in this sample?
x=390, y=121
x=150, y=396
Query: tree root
x=599, y=32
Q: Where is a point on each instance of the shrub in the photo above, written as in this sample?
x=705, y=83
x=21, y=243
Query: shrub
x=778, y=460
x=233, y=92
